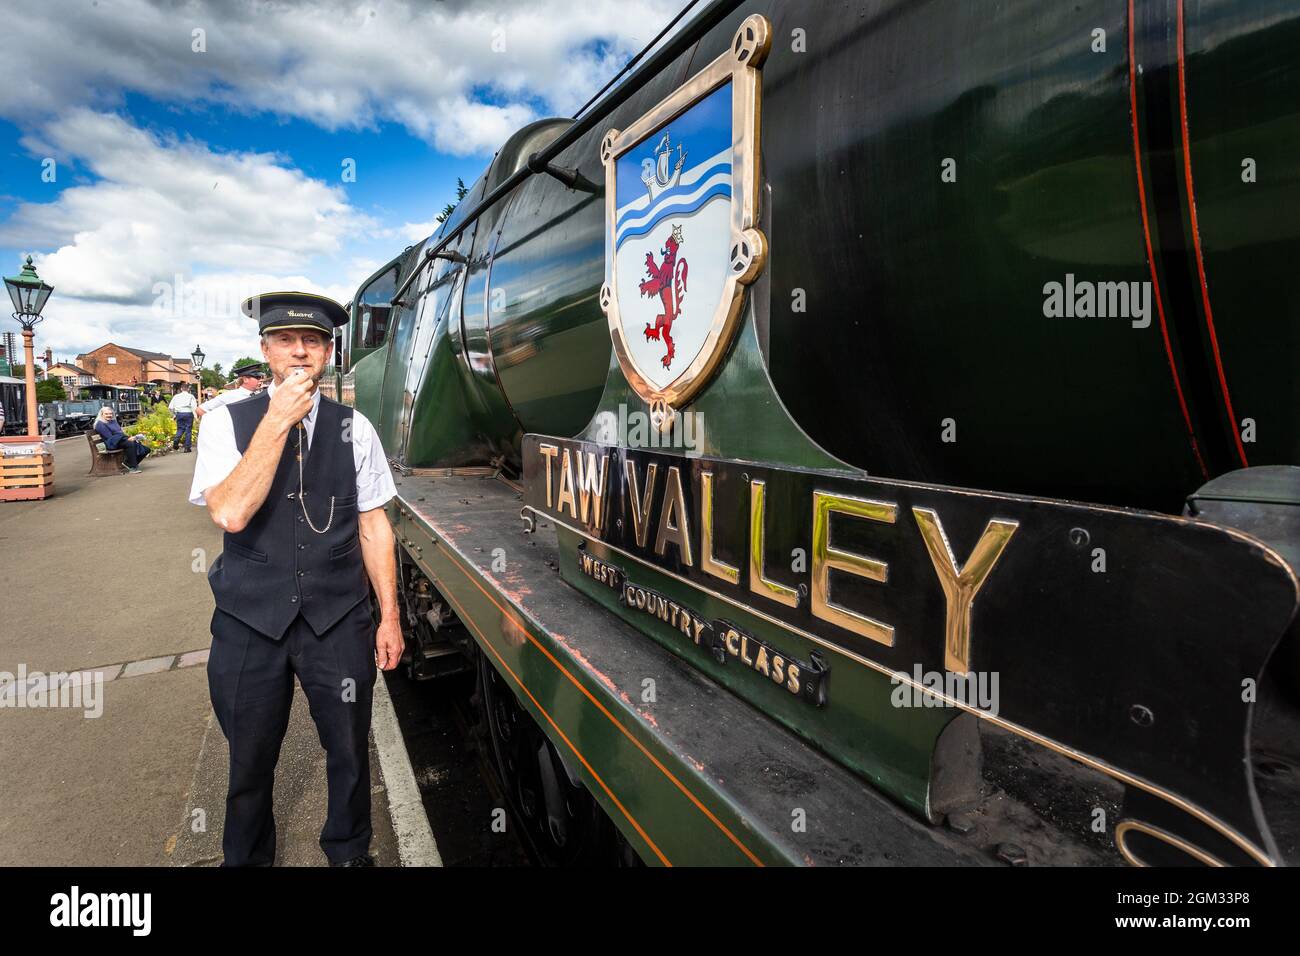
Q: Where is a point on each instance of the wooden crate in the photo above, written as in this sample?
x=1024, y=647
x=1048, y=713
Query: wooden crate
x=26, y=477
x=27, y=470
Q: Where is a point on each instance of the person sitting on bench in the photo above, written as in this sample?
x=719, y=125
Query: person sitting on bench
x=115, y=438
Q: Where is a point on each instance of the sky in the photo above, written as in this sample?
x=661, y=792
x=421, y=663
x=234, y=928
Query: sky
x=161, y=160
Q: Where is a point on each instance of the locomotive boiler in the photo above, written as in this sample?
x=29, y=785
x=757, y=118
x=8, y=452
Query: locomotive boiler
x=867, y=434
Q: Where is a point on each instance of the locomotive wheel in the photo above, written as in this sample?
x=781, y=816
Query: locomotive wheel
x=561, y=824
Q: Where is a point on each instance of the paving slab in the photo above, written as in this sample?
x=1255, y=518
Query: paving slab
x=193, y=658
x=152, y=666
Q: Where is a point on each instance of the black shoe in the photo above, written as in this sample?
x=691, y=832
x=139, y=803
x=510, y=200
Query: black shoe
x=363, y=860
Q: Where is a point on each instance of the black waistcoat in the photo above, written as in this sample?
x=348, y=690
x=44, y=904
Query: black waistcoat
x=278, y=567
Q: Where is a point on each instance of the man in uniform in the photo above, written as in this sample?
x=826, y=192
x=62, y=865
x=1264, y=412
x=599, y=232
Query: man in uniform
x=298, y=483
x=248, y=378
x=182, y=408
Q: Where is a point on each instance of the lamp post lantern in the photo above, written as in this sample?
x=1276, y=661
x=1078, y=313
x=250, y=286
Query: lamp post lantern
x=29, y=294
x=196, y=360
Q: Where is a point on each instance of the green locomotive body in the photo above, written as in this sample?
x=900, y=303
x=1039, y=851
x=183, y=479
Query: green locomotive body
x=944, y=509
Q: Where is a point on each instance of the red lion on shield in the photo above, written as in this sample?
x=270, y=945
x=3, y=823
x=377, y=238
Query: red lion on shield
x=668, y=281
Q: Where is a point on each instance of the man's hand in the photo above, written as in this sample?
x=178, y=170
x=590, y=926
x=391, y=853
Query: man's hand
x=292, y=399
x=388, y=644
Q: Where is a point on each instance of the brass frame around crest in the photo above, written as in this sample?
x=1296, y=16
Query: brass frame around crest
x=740, y=65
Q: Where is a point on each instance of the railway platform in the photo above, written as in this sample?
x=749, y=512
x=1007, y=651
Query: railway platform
x=108, y=575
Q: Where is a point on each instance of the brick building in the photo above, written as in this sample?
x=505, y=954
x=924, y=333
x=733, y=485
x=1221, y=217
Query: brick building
x=118, y=365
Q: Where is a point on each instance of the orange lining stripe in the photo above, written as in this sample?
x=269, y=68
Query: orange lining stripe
x=1196, y=244
x=601, y=707
x=1146, y=235
x=524, y=687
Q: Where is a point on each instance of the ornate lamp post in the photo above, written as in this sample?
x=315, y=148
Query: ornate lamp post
x=196, y=363
x=29, y=293
x=27, y=462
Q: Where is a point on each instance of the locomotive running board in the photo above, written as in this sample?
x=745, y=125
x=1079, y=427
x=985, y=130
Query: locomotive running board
x=695, y=775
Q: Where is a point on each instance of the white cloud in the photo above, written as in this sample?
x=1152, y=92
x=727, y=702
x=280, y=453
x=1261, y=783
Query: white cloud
x=407, y=233
x=199, y=310
x=163, y=206
x=463, y=76
x=171, y=236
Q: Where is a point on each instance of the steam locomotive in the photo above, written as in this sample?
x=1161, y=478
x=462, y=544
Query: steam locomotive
x=67, y=416
x=74, y=416
x=13, y=405
x=866, y=434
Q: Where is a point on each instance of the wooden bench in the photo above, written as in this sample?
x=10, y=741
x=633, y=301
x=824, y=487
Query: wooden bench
x=103, y=461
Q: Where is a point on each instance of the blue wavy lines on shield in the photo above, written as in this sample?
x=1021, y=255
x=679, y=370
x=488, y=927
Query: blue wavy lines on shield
x=683, y=207
x=638, y=211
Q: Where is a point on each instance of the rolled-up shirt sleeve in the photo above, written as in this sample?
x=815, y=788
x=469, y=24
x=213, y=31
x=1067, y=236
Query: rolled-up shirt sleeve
x=218, y=454
x=375, y=486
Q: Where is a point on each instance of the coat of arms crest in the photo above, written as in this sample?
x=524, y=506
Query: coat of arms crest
x=681, y=202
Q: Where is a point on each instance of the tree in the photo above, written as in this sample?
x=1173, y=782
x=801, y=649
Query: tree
x=450, y=208
x=212, y=377
x=50, y=390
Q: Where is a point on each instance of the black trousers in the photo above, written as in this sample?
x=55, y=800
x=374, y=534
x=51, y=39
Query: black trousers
x=184, y=426
x=135, y=453
x=250, y=678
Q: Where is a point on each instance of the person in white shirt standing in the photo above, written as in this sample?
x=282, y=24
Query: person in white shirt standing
x=182, y=408
x=249, y=377
x=298, y=483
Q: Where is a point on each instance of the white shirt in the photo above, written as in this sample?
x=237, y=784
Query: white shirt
x=182, y=402
x=218, y=455
x=229, y=396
